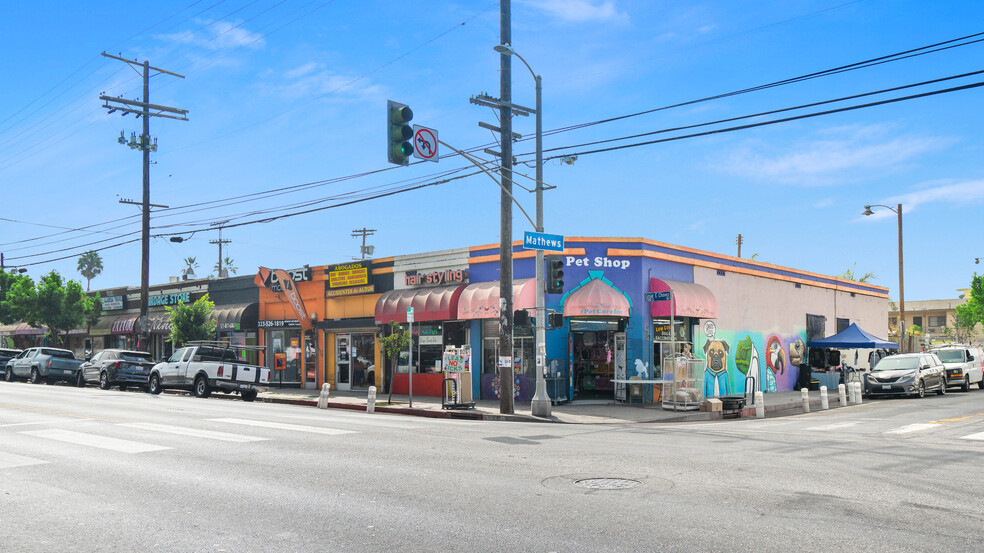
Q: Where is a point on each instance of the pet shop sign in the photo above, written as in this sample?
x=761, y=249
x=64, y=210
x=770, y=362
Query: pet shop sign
x=599, y=261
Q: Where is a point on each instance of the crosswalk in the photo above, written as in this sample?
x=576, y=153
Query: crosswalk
x=140, y=438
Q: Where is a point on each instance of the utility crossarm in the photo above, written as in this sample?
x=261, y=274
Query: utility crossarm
x=488, y=101
x=493, y=128
x=141, y=105
x=135, y=62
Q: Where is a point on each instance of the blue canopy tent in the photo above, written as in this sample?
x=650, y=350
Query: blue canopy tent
x=852, y=337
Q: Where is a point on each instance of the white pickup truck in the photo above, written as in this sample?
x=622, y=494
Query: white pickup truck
x=204, y=368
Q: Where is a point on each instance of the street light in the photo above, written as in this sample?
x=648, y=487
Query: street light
x=540, y=406
x=897, y=211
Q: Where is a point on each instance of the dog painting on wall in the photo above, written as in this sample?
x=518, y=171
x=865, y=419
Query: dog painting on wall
x=716, y=379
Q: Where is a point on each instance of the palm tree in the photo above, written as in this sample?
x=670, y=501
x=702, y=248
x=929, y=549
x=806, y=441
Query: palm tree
x=228, y=264
x=191, y=264
x=90, y=266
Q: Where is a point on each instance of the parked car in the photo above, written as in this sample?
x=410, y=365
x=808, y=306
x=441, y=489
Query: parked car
x=44, y=365
x=964, y=365
x=117, y=367
x=203, y=368
x=906, y=374
x=6, y=354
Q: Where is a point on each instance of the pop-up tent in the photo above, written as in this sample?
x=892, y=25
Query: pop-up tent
x=852, y=337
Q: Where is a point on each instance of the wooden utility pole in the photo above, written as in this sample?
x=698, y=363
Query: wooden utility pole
x=143, y=109
x=363, y=232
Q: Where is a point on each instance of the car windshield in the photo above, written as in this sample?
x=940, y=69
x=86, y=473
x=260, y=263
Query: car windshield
x=135, y=356
x=897, y=363
x=60, y=353
x=950, y=355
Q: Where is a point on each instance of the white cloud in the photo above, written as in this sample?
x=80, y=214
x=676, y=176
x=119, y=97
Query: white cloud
x=839, y=155
x=311, y=80
x=580, y=11
x=217, y=35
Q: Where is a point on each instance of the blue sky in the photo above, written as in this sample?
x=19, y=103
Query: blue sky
x=293, y=92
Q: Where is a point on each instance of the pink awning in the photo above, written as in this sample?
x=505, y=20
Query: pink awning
x=124, y=325
x=596, y=299
x=439, y=303
x=692, y=300
x=480, y=300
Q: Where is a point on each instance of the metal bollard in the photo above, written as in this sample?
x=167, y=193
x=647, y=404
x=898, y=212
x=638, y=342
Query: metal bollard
x=323, y=398
x=806, y=400
x=371, y=402
x=842, y=394
x=759, y=405
x=823, y=398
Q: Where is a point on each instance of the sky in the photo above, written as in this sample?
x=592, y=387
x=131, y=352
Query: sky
x=286, y=114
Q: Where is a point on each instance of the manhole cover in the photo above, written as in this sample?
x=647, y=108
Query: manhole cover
x=607, y=483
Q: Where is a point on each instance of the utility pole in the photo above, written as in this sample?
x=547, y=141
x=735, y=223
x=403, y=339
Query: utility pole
x=143, y=109
x=740, y=241
x=506, y=399
x=220, y=241
x=363, y=232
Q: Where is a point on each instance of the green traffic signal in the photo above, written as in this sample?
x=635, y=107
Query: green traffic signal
x=399, y=133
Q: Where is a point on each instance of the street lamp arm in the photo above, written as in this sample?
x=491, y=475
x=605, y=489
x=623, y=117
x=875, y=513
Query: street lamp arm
x=867, y=208
x=486, y=171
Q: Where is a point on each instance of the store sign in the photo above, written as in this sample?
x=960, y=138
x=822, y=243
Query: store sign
x=268, y=278
x=348, y=274
x=602, y=262
x=284, y=323
x=112, y=303
x=449, y=276
x=456, y=360
x=661, y=331
x=367, y=289
x=169, y=299
x=431, y=340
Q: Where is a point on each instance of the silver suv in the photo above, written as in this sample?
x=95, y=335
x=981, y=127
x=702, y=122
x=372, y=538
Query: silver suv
x=906, y=374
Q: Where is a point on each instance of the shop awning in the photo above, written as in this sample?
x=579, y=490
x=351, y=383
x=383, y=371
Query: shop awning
x=26, y=329
x=236, y=316
x=161, y=324
x=439, y=303
x=103, y=327
x=596, y=298
x=692, y=300
x=124, y=325
x=7, y=330
x=480, y=300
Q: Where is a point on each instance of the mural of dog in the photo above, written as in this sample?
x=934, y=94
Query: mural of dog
x=716, y=379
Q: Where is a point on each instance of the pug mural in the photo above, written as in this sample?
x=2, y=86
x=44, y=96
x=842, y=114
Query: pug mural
x=716, y=379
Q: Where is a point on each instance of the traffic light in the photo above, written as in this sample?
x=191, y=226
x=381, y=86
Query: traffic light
x=521, y=317
x=555, y=276
x=398, y=133
x=555, y=320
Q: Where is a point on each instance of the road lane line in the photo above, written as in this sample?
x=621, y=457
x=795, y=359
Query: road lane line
x=917, y=427
x=193, y=432
x=9, y=461
x=285, y=426
x=834, y=426
x=92, y=440
x=979, y=437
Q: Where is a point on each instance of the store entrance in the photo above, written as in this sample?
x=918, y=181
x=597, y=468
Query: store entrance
x=343, y=362
x=598, y=358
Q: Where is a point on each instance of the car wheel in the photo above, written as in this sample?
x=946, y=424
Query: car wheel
x=122, y=387
x=35, y=376
x=965, y=387
x=154, y=385
x=9, y=376
x=80, y=379
x=201, y=387
x=942, y=390
x=981, y=384
x=921, y=392
x=104, y=380
x=249, y=396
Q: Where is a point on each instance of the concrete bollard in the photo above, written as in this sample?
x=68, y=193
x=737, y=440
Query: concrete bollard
x=860, y=392
x=759, y=405
x=842, y=395
x=323, y=398
x=806, y=400
x=823, y=398
x=371, y=402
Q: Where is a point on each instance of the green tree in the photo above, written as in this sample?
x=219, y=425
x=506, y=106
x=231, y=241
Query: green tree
x=90, y=266
x=863, y=279
x=228, y=264
x=9, y=281
x=190, y=265
x=971, y=312
x=192, y=322
x=398, y=340
x=53, y=304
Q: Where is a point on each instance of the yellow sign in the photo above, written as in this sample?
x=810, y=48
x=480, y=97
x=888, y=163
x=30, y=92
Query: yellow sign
x=351, y=274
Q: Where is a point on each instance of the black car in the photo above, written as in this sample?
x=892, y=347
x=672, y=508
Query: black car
x=117, y=367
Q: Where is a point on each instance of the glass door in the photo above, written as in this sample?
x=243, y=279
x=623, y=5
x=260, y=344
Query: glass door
x=343, y=362
x=620, y=365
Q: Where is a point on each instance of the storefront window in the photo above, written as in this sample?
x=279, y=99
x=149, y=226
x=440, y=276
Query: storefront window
x=593, y=357
x=682, y=341
x=363, y=360
x=287, y=342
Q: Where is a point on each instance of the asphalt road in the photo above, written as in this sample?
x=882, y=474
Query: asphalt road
x=92, y=470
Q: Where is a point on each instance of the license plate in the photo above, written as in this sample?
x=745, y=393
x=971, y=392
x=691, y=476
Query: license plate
x=244, y=386
x=886, y=387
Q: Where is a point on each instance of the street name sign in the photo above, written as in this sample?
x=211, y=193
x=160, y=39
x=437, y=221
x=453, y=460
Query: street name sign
x=657, y=296
x=542, y=241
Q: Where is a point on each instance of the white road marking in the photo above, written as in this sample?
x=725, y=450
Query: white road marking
x=54, y=421
x=918, y=427
x=193, y=432
x=979, y=437
x=92, y=440
x=834, y=426
x=285, y=426
x=9, y=461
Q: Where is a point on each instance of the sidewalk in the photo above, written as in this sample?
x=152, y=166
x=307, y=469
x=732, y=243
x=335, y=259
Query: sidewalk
x=579, y=412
